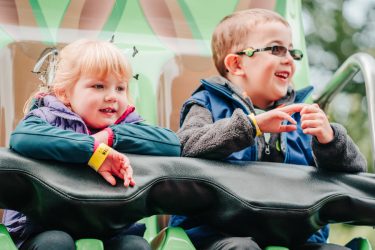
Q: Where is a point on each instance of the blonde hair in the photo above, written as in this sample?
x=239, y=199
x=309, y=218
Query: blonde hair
x=231, y=33
x=88, y=57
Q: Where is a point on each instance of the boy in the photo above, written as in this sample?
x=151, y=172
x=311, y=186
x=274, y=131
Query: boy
x=251, y=113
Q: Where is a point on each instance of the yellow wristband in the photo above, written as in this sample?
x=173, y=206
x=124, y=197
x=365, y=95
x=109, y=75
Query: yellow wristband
x=254, y=121
x=99, y=156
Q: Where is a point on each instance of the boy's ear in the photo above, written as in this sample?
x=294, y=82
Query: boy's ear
x=233, y=64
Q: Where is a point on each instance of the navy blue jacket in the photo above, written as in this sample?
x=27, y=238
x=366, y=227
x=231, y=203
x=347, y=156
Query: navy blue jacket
x=222, y=101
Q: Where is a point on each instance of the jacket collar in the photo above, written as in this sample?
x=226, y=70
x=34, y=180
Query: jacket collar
x=61, y=110
x=224, y=86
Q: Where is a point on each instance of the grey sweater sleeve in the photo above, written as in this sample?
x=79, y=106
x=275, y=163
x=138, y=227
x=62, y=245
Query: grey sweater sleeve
x=341, y=154
x=201, y=137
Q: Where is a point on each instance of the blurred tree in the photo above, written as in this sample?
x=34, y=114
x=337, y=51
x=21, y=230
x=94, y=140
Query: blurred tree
x=334, y=31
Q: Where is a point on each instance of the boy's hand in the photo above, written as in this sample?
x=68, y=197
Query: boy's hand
x=315, y=122
x=119, y=165
x=271, y=121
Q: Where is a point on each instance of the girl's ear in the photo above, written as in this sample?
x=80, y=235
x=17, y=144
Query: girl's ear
x=61, y=94
x=233, y=64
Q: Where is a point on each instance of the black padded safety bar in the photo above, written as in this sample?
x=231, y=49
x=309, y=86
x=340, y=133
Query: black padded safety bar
x=274, y=203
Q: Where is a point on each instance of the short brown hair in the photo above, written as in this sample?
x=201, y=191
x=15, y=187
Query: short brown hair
x=230, y=34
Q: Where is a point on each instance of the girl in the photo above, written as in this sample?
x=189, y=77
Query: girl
x=86, y=117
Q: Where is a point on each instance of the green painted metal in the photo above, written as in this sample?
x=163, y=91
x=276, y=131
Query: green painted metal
x=202, y=20
x=134, y=30
x=5, y=39
x=152, y=227
x=128, y=22
x=6, y=241
x=172, y=238
x=365, y=245
x=114, y=18
x=359, y=244
x=276, y=248
x=48, y=15
x=291, y=10
x=89, y=244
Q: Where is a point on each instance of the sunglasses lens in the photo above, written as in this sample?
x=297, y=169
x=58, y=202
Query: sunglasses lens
x=279, y=50
x=296, y=54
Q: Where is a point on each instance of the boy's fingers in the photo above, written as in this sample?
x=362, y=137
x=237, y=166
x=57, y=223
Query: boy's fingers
x=313, y=108
x=288, y=128
x=287, y=117
x=290, y=109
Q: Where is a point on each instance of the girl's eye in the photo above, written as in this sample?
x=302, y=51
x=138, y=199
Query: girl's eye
x=120, y=88
x=98, y=86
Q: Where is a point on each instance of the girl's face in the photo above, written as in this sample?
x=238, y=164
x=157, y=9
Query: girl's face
x=99, y=102
x=268, y=76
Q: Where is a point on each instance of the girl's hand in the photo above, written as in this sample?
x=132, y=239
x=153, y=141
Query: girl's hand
x=315, y=122
x=101, y=137
x=117, y=164
x=271, y=121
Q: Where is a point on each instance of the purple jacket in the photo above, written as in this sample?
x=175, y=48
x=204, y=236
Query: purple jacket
x=50, y=109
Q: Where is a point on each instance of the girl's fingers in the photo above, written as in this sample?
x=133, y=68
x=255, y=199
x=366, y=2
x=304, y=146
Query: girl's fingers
x=109, y=178
x=127, y=173
x=126, y=182
x=132, y=182
x=126, y=161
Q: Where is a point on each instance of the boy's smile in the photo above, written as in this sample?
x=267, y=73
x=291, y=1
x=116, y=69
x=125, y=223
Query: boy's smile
x=99, y=102
x=266, y=76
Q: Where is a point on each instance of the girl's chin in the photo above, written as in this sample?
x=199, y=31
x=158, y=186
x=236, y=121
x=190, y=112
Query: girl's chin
x=99, y=126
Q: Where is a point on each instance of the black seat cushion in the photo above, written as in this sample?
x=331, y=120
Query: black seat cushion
x=274, y=203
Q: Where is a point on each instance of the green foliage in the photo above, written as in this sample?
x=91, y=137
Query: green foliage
x=334, y=31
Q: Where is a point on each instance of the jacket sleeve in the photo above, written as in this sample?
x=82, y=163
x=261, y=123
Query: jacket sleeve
x=145, y=139
x=35, y=138
x=341, y=154
x=201, y=137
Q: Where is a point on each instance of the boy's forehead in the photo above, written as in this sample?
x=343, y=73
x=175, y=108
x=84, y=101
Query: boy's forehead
x=269, y=32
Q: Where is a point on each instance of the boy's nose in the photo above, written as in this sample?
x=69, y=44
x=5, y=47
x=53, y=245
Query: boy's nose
x=287, y=58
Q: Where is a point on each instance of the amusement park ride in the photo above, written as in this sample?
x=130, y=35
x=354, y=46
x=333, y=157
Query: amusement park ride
x=168, y=44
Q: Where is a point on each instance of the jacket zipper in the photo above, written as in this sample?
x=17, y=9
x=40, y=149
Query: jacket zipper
x=267, y=149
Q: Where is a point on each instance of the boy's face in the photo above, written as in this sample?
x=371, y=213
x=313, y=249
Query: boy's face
x=267, y=76
x=99, y=102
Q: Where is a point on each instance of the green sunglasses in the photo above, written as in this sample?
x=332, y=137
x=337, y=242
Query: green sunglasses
x=276, y=50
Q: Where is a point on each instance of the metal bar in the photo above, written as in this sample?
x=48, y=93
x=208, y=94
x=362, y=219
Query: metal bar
x=358, y=62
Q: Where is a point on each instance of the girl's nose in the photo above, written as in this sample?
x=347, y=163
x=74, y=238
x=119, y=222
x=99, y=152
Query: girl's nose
x=110, y=97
